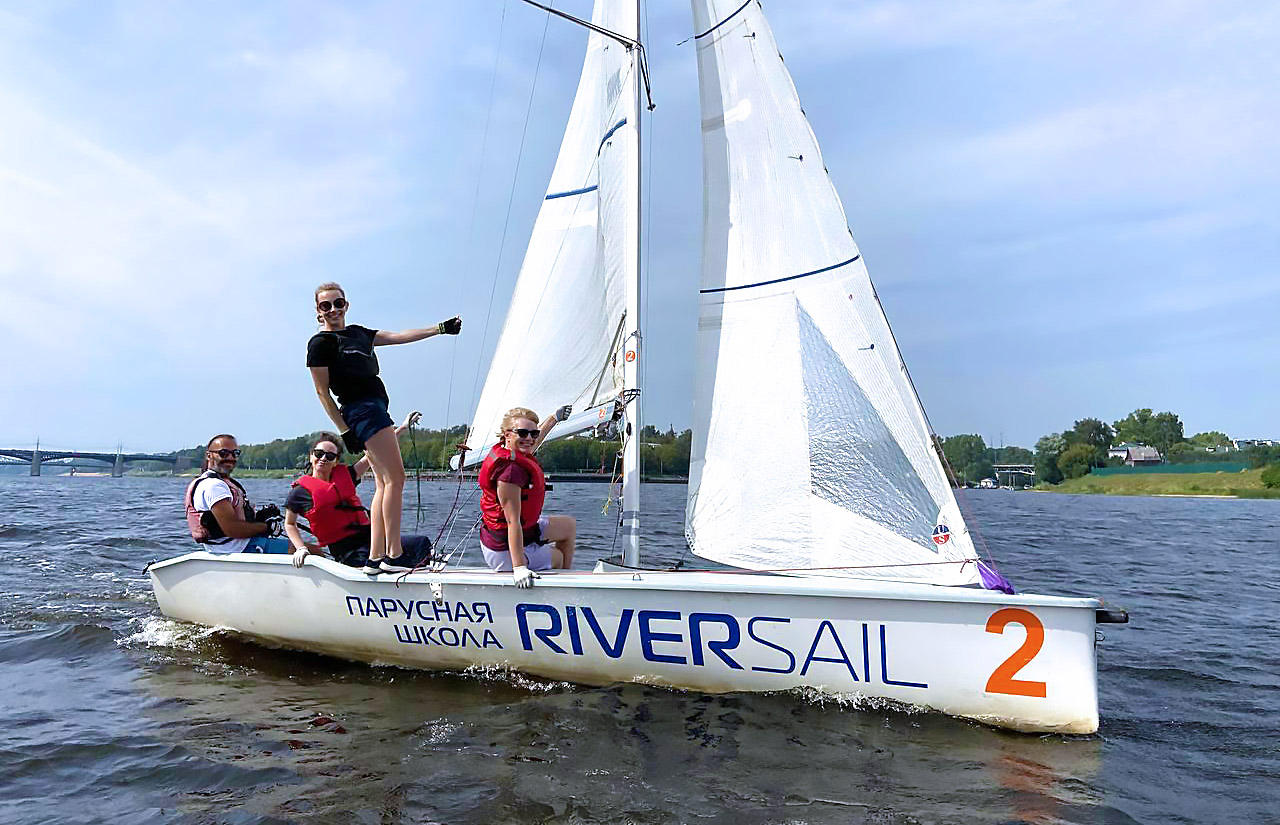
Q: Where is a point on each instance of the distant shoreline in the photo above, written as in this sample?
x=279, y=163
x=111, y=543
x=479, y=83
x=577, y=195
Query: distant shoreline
x=1244, y=484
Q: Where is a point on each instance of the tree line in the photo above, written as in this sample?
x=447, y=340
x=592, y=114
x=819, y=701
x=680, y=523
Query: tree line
x=662, y=453
x=1073, y=452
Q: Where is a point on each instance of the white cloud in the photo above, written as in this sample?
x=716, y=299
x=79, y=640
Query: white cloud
x=102, y=255
x=839, y=27
x=331, y=75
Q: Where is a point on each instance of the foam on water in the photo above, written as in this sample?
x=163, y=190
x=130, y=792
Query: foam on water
x=161, y=632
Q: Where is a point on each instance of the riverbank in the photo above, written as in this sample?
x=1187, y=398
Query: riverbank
x=1245, y=484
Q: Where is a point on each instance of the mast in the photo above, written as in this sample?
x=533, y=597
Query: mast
x=620, y=198
x=631, y=338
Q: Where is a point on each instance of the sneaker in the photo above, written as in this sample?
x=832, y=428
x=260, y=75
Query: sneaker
x=371, y=567
x=396, y=565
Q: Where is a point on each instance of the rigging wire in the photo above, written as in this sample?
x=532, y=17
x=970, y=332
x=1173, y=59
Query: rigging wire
x=470, y=235
x=647, y=228
x=502, y=243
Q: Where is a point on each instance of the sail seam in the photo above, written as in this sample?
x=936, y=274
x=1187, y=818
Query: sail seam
x=722, y=22
x=571, y=192
x=781, y=280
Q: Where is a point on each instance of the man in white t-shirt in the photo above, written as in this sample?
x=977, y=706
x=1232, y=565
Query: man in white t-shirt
x=219, y=514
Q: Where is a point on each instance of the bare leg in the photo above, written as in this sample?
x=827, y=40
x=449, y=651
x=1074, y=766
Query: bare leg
x=562, y=531
x=388, y=472
x=377, y=526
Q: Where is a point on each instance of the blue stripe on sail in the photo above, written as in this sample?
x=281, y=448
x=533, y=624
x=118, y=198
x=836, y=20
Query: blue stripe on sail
x=780, y=280
x=571, y=193
x=609, y=134
x=722, y=22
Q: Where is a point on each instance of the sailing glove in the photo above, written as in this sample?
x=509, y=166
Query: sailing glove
x=451, y=327
x=523, y=576
x=300, y=556
x=562, y=414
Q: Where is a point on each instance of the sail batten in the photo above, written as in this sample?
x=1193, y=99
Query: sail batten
x=838, y=472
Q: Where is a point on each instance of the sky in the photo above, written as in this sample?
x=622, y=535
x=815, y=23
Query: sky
x=1069, y=209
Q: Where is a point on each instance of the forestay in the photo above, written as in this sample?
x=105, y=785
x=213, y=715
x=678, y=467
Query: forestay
x=565, y=321
x=810, y=449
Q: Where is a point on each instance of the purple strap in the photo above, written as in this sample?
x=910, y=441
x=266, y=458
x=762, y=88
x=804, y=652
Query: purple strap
x=992, y=580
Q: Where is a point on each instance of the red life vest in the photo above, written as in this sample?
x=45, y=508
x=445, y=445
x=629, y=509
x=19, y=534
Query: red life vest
x=203, y=525
x=336, y=510
x=531, y=497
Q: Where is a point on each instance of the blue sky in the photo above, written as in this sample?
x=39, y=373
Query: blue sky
x=1069, y=208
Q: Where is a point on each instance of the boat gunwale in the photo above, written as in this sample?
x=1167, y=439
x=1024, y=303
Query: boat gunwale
x=757, y=583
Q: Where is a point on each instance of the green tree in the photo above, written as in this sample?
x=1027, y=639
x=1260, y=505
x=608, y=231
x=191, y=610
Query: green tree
x=1048, y=448
x=1016, y=455
x=1212, y=439
x=1096, y=434
x=968, y=457
x=1076, y=460
x=1135, y=427
x=1271, y=476
x=1261, y=456
x=1159, y=430
x=1166, y=431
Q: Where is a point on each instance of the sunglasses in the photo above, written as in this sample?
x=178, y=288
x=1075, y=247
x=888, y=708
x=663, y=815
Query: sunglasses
x=338, y=303
x=324, y=455
x=226, y=453
x=522, y=433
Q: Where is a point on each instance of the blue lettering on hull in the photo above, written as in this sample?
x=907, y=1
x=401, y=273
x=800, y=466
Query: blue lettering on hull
x=670, y=637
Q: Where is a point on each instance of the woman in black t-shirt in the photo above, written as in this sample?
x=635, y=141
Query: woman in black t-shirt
x=343, y=364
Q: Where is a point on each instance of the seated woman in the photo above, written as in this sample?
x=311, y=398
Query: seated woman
x=327, y=498
x=514, y=534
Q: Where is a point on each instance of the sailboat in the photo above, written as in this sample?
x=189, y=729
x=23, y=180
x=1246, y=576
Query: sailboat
x=847, y=568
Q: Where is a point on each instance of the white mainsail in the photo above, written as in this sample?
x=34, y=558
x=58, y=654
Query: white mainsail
x=810, y=449
x=565, y=326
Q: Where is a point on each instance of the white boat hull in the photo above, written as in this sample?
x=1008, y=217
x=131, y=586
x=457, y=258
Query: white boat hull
x=1024, y=662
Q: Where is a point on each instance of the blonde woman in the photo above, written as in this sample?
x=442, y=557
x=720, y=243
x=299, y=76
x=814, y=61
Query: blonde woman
x=514, y=534
x=345, y=372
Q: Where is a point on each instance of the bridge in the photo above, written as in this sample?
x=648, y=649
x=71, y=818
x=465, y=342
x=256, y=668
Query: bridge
x=117, y=460
x=1010, y=471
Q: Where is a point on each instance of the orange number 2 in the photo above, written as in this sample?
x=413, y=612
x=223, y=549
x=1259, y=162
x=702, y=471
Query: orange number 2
x=1002, y=680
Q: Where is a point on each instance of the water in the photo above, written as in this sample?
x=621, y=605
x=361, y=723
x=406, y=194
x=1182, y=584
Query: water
x=115, y=714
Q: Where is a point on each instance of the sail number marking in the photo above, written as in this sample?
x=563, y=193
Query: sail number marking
x=1002, y=680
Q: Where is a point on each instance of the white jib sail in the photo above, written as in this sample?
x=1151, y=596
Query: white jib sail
x=565, y=322
x=810, y=449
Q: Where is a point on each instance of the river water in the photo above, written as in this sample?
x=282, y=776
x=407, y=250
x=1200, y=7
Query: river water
x=115, y=714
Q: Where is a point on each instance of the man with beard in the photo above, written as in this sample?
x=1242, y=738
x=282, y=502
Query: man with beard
x=219, y=514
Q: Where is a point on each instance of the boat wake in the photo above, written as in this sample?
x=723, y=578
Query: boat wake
x=158, y=632
x=514, y=678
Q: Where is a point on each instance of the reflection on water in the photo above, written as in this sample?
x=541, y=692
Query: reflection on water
x=134, y=718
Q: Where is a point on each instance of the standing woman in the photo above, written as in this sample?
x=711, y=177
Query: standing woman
x=343, y=365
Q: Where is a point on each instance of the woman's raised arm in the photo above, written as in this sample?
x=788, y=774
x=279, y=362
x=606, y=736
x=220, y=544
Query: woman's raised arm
x=450, y=327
